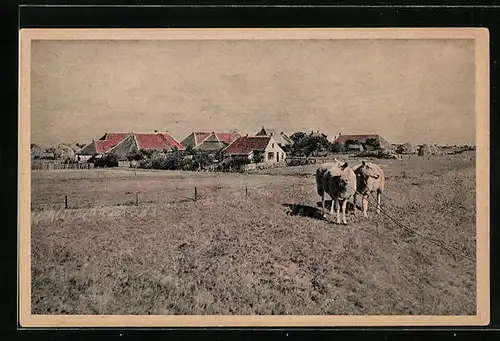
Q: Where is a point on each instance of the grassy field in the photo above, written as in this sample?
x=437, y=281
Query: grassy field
x=261, y=251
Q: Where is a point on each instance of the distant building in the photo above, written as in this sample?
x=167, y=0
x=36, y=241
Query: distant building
x=282, y=139
x=355, y=148
x=120, y=144
x=209, y=142
x=250, y=145
x=361, y=139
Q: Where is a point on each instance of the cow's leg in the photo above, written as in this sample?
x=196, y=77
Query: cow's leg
x=378, y=202
x=354, y=202
x=365, y=205
x=332, y=208
x=323, y=205
x=338, y=210
x=344, y=207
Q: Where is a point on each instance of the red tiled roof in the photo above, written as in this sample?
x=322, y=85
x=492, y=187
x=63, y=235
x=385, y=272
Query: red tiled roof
x=108, y=141
x=247, y=144
x=223, y=137
x=200, y=136
x=228, y=137
x=361, y=138
x=171, y=141
x=156, y=141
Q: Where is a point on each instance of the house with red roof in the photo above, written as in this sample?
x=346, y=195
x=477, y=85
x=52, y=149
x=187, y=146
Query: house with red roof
x=209, y=142
x=249, y=146
x=121, y=144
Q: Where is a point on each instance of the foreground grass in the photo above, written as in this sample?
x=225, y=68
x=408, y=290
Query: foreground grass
x=266, y=253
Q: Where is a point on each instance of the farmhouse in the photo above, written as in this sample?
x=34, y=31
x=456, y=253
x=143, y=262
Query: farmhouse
x=209, y=142
x=361, y=139
x=250, y=146
x=120, y=144
x=282, y=139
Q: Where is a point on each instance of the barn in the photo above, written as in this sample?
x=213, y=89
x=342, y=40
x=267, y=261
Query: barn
x=121, y=144
x=209, y=141
x=249, y=146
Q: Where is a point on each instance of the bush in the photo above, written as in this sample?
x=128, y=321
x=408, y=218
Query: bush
x=159, y=161
x=234, y=164
x=107, y=160
x=135, y=155
x=300, y=162
x=145, y=164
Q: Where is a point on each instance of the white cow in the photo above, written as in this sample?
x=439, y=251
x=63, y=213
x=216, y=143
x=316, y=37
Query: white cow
x=369, y=178
x=338, y=180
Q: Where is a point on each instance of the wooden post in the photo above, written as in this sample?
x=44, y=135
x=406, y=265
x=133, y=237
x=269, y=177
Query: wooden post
x=136, y=198
x=246, y=190
x=404, y=174
x=65, y=201
x=195, y=193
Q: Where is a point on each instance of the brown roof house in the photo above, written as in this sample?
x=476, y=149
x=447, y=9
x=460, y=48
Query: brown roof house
x=209, y=142
x=251, y=145
x=121, y=144
x=282, y=139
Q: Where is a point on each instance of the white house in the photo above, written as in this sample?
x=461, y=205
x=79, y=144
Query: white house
x=251, y=145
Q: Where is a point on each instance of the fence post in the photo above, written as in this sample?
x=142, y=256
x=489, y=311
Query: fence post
x=195, y=193
x=246, y=190
x=66, y=201
x=136, y=198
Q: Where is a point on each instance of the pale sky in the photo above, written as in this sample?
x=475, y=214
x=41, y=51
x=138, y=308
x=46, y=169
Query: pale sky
x=419, y=91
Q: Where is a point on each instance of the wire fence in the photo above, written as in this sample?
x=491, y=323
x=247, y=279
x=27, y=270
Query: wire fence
x=51, y=166
x=165, y=196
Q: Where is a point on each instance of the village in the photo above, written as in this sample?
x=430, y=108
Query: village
x=223, y=151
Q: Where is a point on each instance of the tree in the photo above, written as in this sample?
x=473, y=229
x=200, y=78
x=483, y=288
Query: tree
x=296, y=137
x=337, y=148
x=371, y=144
x=258, y=156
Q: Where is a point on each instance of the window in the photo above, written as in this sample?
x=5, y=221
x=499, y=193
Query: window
x=270, y=156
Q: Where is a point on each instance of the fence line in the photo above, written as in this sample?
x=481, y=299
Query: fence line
x=50, y=166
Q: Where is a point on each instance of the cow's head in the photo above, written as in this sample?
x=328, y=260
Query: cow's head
x=367, y=170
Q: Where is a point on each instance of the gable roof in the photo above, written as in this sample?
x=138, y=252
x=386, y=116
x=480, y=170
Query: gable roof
x=143, y=141
x=226, y=138
x=200, y=136
x=281, y=138
x=108, y=141
x=247, y=144
x=156, y=141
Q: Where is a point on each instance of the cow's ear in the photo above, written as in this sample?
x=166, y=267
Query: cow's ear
x=363, y=162
x=344, y=166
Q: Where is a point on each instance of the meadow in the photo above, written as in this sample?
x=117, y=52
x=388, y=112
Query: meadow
x=252, y=243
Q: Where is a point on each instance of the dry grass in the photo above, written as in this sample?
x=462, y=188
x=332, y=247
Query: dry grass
x=265, y=253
